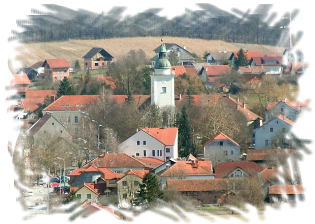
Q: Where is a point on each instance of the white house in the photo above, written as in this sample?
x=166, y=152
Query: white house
x=291, y=110
x=272, y=64
x=221, y=148
x=162, y=82
x=160, y=143
x=272, y=130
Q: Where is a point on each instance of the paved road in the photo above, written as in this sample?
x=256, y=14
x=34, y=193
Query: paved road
x=36, y=214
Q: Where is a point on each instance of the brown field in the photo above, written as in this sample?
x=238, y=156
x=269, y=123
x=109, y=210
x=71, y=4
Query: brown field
x=73, y=50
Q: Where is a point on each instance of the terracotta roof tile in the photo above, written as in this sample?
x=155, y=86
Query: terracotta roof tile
x=220, y=136
x=20, y=79
x=138, y=173
x=108, y=80
x=217, y=69
x=138, y=99
x=40, y=93
x=150, y=162
x=96, y=188
x=253, y=69
x=223, y=169
x=72, y=102
x=32, y=104
x=189, y=168
x=166, y=136
x=57, y=63
x=249, y=54
x=116, y=160
x=178, y=70
x=293, y=104
x=286, y=189
x=187, y=185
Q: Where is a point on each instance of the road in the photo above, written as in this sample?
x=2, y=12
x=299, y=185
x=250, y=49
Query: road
x=36, y=214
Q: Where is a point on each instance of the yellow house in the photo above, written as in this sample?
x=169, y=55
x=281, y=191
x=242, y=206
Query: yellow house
x=129, y=185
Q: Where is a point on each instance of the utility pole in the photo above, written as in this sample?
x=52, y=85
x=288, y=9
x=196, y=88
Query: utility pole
x=290, y=27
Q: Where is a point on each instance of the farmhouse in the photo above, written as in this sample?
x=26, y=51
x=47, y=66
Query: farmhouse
x=97, y=58
x=56, y=70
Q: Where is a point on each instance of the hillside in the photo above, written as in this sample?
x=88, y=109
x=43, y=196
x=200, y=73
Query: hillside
x=73, y=50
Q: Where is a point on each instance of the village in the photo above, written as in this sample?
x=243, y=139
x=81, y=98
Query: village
x=213, y=131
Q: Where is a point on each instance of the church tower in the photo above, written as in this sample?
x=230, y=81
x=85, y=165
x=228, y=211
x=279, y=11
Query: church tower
x=162, y=81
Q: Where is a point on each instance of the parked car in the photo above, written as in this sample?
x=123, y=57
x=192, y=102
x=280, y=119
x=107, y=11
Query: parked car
x=53, y=184
x=55, y=179
x=30, y=193
x=64, y=189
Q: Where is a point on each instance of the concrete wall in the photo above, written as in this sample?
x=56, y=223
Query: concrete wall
x=214, y=151
x=162, y=78
x=288, y=111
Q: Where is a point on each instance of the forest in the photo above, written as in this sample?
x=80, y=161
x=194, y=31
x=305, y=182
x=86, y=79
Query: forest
x=245, y=21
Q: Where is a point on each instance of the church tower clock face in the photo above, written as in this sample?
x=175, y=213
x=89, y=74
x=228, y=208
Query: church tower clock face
x=162, y=81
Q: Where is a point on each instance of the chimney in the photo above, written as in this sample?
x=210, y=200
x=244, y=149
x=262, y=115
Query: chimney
x=244, y=105
x=194, y=163
x=184, y=47
x=52, y=98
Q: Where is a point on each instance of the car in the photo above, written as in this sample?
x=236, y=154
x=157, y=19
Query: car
x=53, y=184
x=54, y=179
x=30, y=193
x=64, y=189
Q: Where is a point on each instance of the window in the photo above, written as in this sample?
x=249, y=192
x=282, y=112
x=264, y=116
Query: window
x=232, y=152
x=107, y=194
x=86, y=63
x=125, y=196
x=144, y=142
x=76, y=119
x=96, y=64
x=281, y=109
x=271, y=129
x=225, y=153
x=266, y=142
x=221, y=143
x=136, y=183
x=153, y=152
x=238, y=173
x=79, y=196
x=161, y=152
x=53, y=123
x=124, y=183
x=163, y=90
x=144, y=153
x=168, y=150
x=138, y=142
x=87, y=215
x=168, y=158
x=88, y=196
x=137, y=154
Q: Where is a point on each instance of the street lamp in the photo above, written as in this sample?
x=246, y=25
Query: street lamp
x=284, y=27
x=64, y=172
x=47, y=205
x=98, y=133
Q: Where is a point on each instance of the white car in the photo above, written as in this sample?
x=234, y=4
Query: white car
x=30, y=193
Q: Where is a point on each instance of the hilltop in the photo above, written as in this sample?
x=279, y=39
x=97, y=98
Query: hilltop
x=73, y=50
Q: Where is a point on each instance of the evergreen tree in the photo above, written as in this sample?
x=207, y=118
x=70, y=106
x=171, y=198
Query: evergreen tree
x=2, y=158
x=184, y=134
x=65, y=88
x=241, y=59
x=149, y=190
x=77, y=66
x=73, y=214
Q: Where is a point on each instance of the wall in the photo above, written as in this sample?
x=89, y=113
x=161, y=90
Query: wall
x=214, y=151
x=162, y=78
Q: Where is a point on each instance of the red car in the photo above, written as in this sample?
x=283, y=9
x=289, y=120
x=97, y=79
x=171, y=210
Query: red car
x=53, y=184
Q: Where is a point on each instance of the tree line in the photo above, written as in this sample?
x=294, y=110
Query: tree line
x=61, y=23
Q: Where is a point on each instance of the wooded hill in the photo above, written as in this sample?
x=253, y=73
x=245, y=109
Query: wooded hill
x=73, y=50
x=243, y=21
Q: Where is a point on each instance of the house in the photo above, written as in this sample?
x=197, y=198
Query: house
x=47, y=126
x=210, y=73
x=51, y=94
x=97, y=58
x=68, y=109
x=31, y=106
x=117, y=162
x=298, y=54
x=275, y=176
x=150, y=163
x=18, y=84
x=96, y=213
x=140, y=101
x=128, y=186
x=39, y=69
x=56, y=70
x=221, y=148
x=289, y=109
x=192, y=169
x=183, y=56
x=160, y=143
x=272, y=64
x=257, y=70
x=206, y=191
x=248, y=54
x=286, y=193
x=237, y=169
x=159, y=169
x=266, y=135
x=31, y=73
x=295, y=68
x=217, y=57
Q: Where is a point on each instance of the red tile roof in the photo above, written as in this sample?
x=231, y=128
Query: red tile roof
x=20, y=79
x=178, y=70
x=223, y=169
x=189, y=168
x=191, y=71
x=138, y=173
x=116, y=160
x=249, y=54
x=98, y=189
x=57, y=63
x=286, y=189
x=106, y=209
x=285, y=119
x=262, y=61
x=217, y=69
x=138, y=218
x=108, y=80
x=150, y=162
x=138, y=99
x=40, y=93
x=72, y=102
x=275, y=174
x=166, y=136
x=220, y=136
x=187, y=185
x=293, y=104
x=200, y=100
x=257, y=154
x=32, y=104
x=253, y=69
